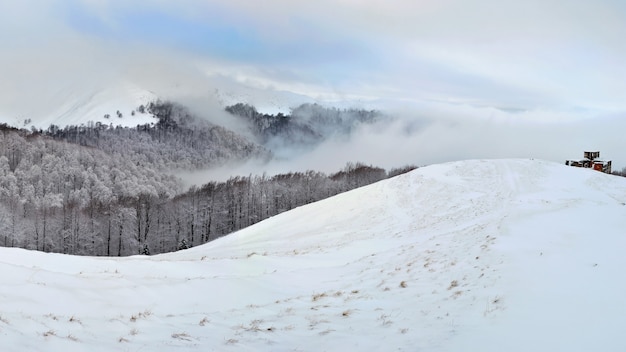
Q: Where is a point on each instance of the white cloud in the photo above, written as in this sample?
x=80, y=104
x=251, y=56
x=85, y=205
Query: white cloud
x=459, y=63
x=532, y=54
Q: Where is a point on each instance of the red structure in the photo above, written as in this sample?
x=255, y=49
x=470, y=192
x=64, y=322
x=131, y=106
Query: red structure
x=591, y=160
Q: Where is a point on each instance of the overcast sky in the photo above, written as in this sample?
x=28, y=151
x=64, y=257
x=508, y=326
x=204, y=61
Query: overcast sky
x=536, y=60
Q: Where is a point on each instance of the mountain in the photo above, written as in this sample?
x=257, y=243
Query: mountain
x=70, y=105
x=304, y=127
x=266, y=101
x=124, y=101
x=489, y=255
x=181, y=139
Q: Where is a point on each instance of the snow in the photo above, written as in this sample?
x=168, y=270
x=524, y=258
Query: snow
x=489, y=255
x=273, y=101
x=265, y=101
x=70, y=105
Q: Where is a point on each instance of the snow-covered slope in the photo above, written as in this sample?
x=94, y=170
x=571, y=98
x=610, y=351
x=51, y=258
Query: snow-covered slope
x=69, y=102
x=486, y=255
x=266, y=101
x=69, y=105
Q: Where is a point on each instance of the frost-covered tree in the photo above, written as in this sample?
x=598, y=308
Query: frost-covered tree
x=102, y=190
x=306, y=125
x=183, y=244
x=176, y=140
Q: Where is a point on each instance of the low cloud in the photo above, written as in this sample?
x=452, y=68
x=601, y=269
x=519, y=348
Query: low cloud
x=524, y=55
x=462, y=79
x=442, y=133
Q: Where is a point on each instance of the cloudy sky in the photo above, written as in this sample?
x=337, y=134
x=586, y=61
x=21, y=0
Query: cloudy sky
x=541, y=60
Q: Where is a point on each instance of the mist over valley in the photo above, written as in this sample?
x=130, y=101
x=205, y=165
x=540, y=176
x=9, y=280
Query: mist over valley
x=330, y=175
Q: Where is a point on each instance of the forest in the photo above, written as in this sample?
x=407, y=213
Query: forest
x=305, y=125
x=176, y=140
x=110, y=191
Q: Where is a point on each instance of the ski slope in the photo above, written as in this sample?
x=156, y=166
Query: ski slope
x=480, y=255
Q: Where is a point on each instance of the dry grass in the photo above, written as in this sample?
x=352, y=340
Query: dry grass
x=73, y=319
x=326, y=332
x=453, y=284
x=493, y=305
x=403, y=284
x=181, y=336
x=318, y=296
x=51, y=316
x=204, y=321
x=144, y=314
x=384, y=319
x=255, y=326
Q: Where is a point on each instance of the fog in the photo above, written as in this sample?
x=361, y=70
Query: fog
x=459, y=79
x=442, y=133
x=520, y=55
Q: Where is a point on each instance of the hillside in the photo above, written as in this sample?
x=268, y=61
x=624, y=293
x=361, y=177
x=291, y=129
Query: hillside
x=502, y=255
x=99, y=102
x=70, y=105
x=304, y=126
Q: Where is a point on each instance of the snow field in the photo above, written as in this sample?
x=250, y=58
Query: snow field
x=69, y=106
x=486, y=255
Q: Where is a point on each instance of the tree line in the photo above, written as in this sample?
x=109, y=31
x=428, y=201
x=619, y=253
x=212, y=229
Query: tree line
x=78, y=199
x=176, y=140
x=305, y=125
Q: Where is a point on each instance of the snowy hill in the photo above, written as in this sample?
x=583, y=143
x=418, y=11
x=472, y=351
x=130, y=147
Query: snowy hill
x=267, y=101
x=69, y=105
x=489, y=255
